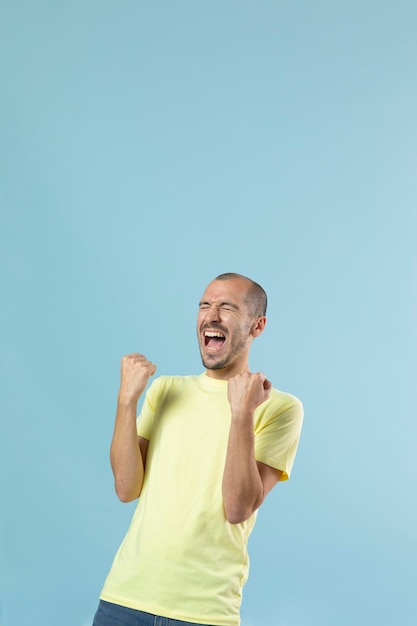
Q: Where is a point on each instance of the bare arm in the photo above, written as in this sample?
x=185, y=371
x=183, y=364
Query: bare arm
x=246, y=481
x=128, y=452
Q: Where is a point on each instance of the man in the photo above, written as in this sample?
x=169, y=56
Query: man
x=203, y=455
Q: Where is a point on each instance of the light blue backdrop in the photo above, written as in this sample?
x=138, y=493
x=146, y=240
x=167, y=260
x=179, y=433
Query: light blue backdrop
x=145, y=148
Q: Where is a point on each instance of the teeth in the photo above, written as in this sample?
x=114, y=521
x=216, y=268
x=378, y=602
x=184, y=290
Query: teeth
x=213, y=333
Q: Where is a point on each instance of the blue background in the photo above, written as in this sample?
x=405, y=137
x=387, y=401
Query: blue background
x=146, y=147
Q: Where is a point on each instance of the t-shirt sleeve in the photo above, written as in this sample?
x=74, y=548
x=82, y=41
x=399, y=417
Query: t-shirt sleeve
x=145, y=420
x=277, y=433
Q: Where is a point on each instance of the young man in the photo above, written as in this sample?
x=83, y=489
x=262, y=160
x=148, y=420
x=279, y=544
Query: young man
x=203, y=455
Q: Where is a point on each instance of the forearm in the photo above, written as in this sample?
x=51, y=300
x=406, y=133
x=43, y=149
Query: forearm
x=125, y=456
x=242, y=487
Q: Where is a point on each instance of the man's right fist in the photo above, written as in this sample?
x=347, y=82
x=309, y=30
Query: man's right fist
x=135, y=373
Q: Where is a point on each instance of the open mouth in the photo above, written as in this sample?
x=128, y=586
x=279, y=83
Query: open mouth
x=214, y=340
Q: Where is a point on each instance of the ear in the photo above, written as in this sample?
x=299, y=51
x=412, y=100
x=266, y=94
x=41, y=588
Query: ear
x=258, y=326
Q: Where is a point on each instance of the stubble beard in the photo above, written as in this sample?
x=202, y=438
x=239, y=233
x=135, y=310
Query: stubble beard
x=237, y=346
x=214, y=366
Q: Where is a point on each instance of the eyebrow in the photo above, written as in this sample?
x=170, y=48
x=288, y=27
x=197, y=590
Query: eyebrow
x=231, y=304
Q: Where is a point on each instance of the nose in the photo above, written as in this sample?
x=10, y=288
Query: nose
x=213, y=314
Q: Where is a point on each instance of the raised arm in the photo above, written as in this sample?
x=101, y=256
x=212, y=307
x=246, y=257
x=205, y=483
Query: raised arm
x=245, y=481
x=128, y=452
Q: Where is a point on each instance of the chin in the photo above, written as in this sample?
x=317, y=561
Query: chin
x=213, y=365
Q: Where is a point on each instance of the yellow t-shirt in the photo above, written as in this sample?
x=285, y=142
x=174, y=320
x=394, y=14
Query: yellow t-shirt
x=180, y=557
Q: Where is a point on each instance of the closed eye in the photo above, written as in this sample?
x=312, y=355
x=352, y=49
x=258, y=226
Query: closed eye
x=225, y=306
x=229, y=306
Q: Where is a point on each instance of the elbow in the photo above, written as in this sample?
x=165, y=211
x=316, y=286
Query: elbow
x=236, y=519
x=236, y=511
x=125, y=498
x=237, y=515
x=125, y=495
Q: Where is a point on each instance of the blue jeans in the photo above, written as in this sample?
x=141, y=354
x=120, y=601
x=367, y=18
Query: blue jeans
x=109, y=614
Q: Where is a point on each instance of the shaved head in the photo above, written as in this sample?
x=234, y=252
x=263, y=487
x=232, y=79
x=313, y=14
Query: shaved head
x=256, y=299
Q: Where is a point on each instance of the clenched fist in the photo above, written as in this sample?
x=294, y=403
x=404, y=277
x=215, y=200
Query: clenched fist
x=246, y=392
x=135, y=373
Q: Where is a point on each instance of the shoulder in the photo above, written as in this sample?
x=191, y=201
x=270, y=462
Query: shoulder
x=166, y=383
x=169, y=388
x=283, y=400
x=281, y=406
x=175, y=380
